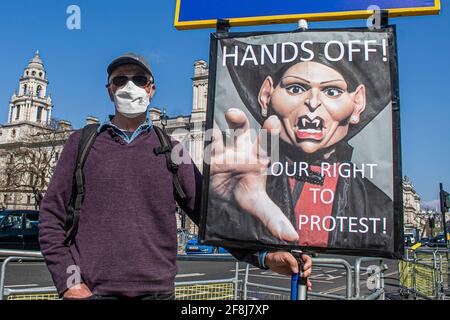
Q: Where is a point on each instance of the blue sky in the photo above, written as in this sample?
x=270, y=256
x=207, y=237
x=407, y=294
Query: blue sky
x=76, y=62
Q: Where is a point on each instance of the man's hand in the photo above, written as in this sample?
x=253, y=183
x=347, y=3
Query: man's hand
x=286, y=264
x=79, y=291
x=237, y=173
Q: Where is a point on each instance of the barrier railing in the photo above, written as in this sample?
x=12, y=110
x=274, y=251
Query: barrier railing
x=231, y=288
x=424, y=274
x=378, y=273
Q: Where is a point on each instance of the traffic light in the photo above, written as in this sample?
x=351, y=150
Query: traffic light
x=446, y=197
x=431, y=222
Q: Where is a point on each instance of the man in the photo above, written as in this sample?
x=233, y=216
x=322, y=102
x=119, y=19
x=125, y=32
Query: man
x=126, y=242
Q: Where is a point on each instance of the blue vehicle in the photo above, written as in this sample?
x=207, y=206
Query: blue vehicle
x=194, y=247
x=424, y=241
x=438, y=241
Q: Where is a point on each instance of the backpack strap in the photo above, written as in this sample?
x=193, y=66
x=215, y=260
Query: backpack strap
x=88, y=136
x=166, y=149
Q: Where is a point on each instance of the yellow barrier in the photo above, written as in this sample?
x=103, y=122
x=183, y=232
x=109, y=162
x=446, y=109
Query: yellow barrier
x=219, y=291
x=50, y=296
x=425, y=275
x=214, y=291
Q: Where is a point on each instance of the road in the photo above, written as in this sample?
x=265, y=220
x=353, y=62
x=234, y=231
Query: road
x=329, y=280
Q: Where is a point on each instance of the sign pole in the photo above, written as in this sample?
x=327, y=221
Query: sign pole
x=443, y=211
x=299, y=288
x=442, y=195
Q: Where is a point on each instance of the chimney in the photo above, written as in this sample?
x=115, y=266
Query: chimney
x=64, y=125
x=92, y=120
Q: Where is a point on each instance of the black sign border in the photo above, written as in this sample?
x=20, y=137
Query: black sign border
x=399, y=245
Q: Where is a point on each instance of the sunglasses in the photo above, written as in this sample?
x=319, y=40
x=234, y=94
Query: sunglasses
x=140, y=81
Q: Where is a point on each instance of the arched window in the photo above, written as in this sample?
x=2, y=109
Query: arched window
x=25, y=87
x=38, y=91
x=33, y=73
x=40, y=74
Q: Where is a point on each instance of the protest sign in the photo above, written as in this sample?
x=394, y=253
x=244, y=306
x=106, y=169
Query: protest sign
x=303, y=146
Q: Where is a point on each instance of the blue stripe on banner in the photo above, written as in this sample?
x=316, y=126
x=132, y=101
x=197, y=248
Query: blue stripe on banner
x=191, y=10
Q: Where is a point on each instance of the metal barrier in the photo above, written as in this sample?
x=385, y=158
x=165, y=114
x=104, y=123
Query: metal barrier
x=223, y=289
x=424, y=274
x=283, y=293
x=378, y=273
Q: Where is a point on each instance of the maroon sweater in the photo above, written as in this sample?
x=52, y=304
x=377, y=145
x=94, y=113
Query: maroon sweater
x=127, y=238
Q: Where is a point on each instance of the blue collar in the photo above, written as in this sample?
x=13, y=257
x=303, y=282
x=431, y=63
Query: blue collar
x=146, y=126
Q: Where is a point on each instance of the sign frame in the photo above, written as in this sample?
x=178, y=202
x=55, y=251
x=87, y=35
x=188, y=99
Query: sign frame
x=292, y=18
x=398, y=225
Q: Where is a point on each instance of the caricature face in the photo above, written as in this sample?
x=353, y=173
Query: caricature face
x=313, y=104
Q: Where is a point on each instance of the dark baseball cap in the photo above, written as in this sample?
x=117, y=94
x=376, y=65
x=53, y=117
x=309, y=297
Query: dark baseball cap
x=130, y=58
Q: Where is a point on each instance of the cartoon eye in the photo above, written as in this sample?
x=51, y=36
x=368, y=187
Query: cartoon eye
x=296, y=89
x=333, y=92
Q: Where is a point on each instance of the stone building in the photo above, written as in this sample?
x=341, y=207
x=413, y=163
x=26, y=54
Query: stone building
x=190, y=129
x=411, y=207
x=30, y=126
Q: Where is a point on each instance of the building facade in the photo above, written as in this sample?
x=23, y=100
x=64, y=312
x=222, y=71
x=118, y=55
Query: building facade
x=26, y=136
x=411, y=208
x=31, y=134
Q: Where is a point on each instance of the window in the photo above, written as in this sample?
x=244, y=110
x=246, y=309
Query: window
x=32, y=221
x=28, y=199
x=57, y=156
x=39, y=114
x=33, y=73
x=40, y=74
x=25, y=87
x=13, y=133
x=38, y=91
x=5, y=198
x=18, y=112
x=13, y=222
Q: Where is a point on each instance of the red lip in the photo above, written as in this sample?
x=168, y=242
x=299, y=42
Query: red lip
x=311, y=136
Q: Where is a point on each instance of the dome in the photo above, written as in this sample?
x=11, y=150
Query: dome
x=36, y=62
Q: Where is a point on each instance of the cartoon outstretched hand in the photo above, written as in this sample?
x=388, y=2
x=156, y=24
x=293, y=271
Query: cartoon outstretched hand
x=236, y=173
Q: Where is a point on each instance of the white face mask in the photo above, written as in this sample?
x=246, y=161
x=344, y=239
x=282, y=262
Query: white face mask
x=131, y=100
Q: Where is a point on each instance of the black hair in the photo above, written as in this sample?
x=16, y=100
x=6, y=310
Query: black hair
x=373, y=74
x=341, y=66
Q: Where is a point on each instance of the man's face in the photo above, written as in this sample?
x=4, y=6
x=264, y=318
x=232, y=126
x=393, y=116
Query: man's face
x=129, y=70
x=313, y=105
